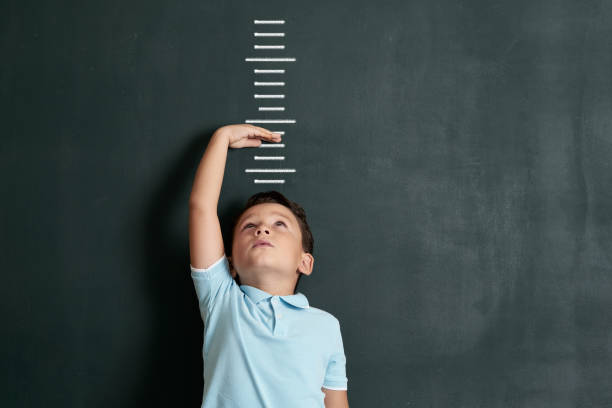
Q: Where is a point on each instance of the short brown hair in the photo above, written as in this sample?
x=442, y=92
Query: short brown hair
x=297, y=210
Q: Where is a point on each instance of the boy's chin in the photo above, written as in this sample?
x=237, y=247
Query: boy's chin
x=262, y=264
x=260, y=256
x=258, y=260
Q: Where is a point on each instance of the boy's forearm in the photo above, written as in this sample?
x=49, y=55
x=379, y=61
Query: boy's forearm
x=209, y=176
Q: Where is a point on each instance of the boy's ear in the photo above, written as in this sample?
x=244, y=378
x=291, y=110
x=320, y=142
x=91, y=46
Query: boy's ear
x=231, y=265
x=306, y=264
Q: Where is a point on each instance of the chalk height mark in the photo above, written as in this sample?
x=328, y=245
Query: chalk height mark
x=267, y=59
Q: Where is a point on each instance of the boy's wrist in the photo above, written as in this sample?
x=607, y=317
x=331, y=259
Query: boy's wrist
x=222, y=134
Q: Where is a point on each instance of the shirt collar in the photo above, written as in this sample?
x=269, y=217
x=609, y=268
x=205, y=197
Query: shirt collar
x=256, y=295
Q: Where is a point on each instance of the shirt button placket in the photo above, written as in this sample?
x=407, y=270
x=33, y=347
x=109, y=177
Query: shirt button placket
x=277, y=314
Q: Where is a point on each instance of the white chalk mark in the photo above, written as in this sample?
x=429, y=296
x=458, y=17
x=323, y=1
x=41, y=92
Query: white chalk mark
x=269, y=21
x=258, y=181
x=269, y=121
x=268, y=47
x=271, y=108
x=269, y=34
x=269, y=170
x=269, y=157
x=270, y=59
x=269, y=71
x=272, y=145
x=268, y=96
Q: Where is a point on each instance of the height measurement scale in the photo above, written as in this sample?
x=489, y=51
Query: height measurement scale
x=269, y=98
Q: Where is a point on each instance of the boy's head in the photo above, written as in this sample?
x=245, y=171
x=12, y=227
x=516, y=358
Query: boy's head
x=271, y=217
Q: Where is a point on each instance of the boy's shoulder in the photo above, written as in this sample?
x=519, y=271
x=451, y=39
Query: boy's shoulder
x=323, y=315
x=322, y=312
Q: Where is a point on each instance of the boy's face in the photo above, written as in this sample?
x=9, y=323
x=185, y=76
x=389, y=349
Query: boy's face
x=280, y=261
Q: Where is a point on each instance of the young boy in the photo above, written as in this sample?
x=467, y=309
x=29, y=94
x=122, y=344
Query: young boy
x=264, y=345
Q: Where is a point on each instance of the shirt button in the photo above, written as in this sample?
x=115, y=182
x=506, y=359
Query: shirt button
x=280, y=315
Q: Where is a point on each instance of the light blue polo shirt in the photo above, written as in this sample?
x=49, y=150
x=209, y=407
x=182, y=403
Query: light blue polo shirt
x=262, y=350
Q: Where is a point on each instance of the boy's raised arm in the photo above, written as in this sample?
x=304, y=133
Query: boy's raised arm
x=205, y=239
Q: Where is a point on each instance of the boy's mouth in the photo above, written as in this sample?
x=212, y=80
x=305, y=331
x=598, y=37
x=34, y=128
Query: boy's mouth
x=261, y=242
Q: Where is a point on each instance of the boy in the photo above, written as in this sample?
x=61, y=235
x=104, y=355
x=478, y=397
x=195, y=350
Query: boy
x=264, y=345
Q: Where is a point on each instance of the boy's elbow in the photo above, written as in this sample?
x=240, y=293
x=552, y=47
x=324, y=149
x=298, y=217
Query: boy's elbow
x=201, y=205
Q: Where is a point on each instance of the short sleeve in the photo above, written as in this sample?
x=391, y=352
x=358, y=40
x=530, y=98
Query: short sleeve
x=335, y=376
x=211, y=283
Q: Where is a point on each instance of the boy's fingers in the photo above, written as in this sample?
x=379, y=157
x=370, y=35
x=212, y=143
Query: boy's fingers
x=258, y=128
x=263, y=132
x=266, y=131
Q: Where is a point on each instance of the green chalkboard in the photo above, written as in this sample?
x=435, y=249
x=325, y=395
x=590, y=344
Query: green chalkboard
x=453, y=158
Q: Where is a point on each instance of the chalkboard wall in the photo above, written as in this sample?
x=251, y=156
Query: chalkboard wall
x=454, y=159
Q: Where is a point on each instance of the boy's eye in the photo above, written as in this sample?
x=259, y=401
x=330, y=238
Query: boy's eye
x=278, y=222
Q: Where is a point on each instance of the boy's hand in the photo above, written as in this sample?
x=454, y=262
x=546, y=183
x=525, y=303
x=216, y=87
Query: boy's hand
x=247, y=135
